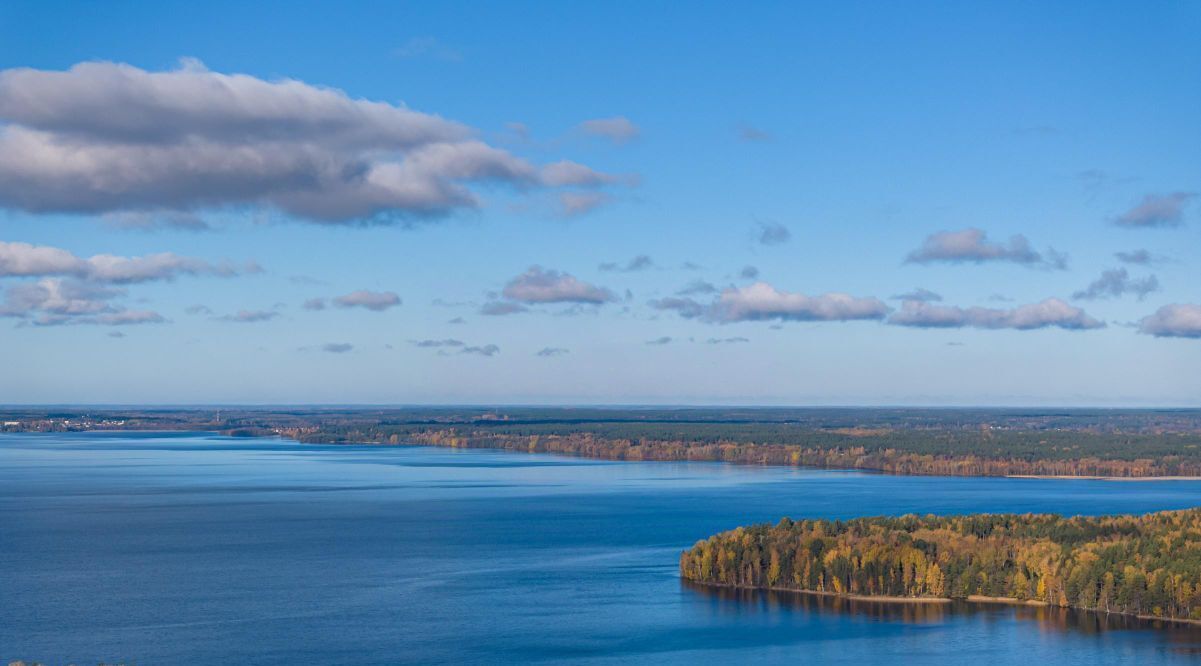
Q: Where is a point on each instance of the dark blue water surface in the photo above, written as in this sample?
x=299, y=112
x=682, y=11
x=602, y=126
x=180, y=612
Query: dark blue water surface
x=188, y=549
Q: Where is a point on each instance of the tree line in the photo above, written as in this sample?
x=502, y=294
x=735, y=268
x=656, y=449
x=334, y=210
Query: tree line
x=1147, y=565
x=992, y=459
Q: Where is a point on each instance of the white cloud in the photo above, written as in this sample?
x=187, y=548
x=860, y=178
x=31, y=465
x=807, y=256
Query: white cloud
x=54, y=301
x=1178, y=320
x=1051, y=312
x=376, y=301
x=112, y=138
x=763, y=302
x=26, y=260
x=537, y=285
x=1157, y=210
x=973, y=245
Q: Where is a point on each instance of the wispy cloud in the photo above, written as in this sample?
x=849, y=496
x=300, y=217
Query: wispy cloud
x=639, y=263
x=1051, y=312
x=1156, y=210
x=376, y=301
x=697, y=287
x=1138, y=257
x=1116, y=282
x=547, y=352
x=918, y=294
x=574, y=204
x=485, y=350
x=249, y=316
x=337, y=347
x=771, y=233
x=155, y=221
x=427, y=47
x=500, y=308
x=617, y=129
x=446, y=342
x=749, y=134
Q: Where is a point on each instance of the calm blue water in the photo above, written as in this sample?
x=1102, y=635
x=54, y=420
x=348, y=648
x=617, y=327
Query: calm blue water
x=186, y=549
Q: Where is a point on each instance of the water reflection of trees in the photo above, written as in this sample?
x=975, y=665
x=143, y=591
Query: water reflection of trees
x=736, y=601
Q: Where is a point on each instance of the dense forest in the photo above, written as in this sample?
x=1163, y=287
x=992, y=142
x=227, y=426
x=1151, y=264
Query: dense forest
x=1059, y=454
x=966, y=442
x=1139, y=565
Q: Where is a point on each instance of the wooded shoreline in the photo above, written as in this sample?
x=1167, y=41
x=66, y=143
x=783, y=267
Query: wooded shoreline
x=890, y=461
x=1148, y=567
x=973, y=599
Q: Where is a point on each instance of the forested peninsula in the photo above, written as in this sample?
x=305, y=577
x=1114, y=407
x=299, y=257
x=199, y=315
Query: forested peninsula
x=1147, y=566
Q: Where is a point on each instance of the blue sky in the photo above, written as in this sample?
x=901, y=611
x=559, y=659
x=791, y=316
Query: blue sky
x=855, y=134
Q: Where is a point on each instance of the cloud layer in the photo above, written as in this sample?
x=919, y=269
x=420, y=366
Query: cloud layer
x=26, y=260
x=763, y=302
x=56, y=301
x=104, y=137
x=1050, y=312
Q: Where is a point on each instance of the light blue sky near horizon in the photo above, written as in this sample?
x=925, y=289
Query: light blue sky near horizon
x=886, y=123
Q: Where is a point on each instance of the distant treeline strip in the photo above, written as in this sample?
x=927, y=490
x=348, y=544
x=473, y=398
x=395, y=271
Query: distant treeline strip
x=1061, y=454
x=1147, y=565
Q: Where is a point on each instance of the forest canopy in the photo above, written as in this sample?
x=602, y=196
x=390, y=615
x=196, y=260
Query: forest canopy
x=1146, y=565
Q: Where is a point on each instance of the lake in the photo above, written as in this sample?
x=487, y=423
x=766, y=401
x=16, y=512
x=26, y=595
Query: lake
x=168, y=548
